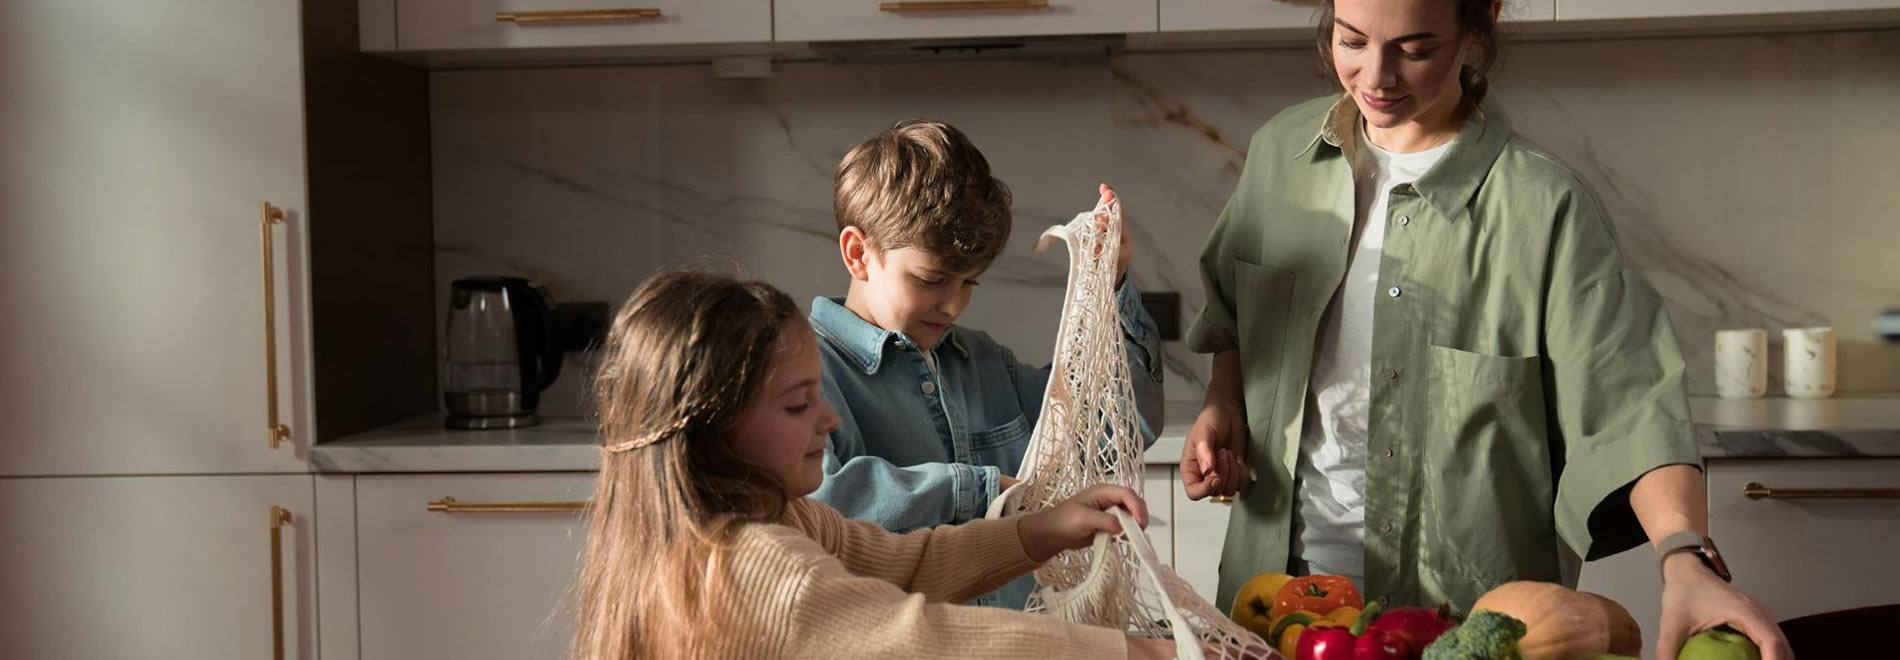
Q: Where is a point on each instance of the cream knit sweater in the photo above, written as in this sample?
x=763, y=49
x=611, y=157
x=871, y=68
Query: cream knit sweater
x=820, y=586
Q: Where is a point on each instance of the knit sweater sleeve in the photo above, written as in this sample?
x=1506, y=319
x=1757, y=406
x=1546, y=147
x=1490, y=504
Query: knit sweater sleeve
x=834, y=613
x=946, y=563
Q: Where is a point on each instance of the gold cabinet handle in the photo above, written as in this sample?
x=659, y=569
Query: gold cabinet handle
x=279, y=517
x=450, y=505
x=1756, y=491
x=577, y=16
x=1221, y=499
x=962, y=5
x=279, y=433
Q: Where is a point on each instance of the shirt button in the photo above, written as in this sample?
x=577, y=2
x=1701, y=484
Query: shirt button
x=1389, y=373
x=1405, y=220
x=1385, y=599
x=1388, y=452
x=929, y=387
x=1385, y=527
x=1394, y=292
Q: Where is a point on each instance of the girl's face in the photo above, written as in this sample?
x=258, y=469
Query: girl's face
x=784, y=427
x=1399, y=59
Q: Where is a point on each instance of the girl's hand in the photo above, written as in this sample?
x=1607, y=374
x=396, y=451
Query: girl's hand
x=1694, y=600
x=1150, y=648
x=1073, y=523
x=1214, y=459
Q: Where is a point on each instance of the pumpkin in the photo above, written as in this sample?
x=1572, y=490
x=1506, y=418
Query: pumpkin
x=1563, y=623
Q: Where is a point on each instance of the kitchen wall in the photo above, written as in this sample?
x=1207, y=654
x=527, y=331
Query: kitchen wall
x=1751, y=178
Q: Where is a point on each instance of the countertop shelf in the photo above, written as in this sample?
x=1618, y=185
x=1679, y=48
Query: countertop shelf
x=1848, y=426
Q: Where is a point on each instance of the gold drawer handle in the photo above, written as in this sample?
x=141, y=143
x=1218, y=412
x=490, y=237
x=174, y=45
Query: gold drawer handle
x=279, y=517
x=1756, y=491
x=279, y=433
x=450, y=505
x=1221, y=499
x=577, y=16
x=962, y=5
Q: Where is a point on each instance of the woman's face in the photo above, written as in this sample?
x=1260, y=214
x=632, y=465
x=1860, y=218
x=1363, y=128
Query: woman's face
x=1400, y=60
x=784, y=427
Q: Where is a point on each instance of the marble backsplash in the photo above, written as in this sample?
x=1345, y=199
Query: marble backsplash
x=1750, y=177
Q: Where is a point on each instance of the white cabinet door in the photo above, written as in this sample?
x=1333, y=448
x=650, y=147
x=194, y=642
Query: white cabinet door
x=1184, y=15
x=1574, y=10
x=155, y=567
x=1803, y=556
x=142, y=141
x=433, y=25
x=1157, y=489
x=1200, y=532
x=829, y=20
x=462, y=586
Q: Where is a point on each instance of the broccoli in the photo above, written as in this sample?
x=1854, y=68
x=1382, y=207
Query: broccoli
x=1487, y=635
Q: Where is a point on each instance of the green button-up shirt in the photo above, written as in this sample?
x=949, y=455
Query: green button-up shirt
x=1523, y=374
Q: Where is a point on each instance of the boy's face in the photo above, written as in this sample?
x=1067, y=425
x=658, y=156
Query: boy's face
x=908, y=291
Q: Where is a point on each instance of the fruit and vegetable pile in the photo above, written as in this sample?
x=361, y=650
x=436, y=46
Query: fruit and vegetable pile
x=1323, y=617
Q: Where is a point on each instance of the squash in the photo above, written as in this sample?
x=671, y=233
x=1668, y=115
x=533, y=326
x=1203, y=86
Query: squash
x=1563, y=623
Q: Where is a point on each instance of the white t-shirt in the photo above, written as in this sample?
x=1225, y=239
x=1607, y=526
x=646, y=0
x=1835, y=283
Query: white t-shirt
x=1330, y=511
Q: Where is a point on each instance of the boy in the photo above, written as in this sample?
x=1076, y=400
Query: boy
x=934, y=418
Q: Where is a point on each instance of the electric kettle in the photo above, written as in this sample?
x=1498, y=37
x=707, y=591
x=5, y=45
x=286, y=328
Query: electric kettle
x=503, y=348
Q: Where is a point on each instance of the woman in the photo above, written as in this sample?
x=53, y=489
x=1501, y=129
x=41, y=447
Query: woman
x=1434, y=370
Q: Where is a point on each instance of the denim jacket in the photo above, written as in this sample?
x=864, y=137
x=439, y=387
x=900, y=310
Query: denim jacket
x=916, y=448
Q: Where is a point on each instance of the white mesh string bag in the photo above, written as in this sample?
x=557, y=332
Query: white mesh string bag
x=1089, y=433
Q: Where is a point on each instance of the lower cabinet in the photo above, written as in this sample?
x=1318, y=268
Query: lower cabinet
x=158, y=567
x=468, y=566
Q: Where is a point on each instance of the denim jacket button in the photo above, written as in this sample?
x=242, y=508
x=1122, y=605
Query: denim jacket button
x=930, y=387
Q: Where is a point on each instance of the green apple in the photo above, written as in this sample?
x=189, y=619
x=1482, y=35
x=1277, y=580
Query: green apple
x=1719, y=644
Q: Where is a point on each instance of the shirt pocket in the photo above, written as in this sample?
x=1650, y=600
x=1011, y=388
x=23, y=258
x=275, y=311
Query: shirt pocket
x=1487, y=471
x=1263, y=305
x=1003, y=445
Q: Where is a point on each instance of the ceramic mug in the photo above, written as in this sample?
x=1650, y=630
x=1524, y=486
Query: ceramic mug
x=1741, y=363
x=1809, y=361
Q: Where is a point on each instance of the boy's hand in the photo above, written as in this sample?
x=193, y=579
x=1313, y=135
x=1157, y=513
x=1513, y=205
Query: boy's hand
x=1073, y=523
x=1214, y=459
x=1127, y=251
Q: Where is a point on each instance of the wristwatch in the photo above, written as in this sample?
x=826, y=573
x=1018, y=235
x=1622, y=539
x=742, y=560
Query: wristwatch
x=1702, y=546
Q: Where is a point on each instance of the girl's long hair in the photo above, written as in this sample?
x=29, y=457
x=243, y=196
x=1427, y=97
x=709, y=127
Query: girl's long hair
x=686, y=353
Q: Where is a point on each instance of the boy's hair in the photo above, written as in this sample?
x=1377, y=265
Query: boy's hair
x=687, y=352
x=921, y=184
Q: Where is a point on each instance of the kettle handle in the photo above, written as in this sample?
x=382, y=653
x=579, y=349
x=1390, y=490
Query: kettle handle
x=537, y=337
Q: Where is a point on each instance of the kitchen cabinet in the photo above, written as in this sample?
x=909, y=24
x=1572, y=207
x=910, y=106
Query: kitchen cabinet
x=1573, y=10
x=173, y=567
x=831, y=20
x=145, y=142
x=441, y=25
x=1184, y=15
x=468, y=583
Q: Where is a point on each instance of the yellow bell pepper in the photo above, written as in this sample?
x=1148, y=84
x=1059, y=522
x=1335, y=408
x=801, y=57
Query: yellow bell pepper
x=1343, y=616
x=1254, y=601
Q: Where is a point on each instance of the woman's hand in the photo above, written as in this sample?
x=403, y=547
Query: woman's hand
x=1214, y=459
x=1073, y=523
x=1694, y=600
x=1150, y=648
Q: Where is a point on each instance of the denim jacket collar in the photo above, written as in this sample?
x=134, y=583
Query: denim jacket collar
x=860, y=340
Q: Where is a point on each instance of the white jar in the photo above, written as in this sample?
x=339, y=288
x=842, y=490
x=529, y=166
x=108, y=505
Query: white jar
x=1810, y=362
x=1741, y=363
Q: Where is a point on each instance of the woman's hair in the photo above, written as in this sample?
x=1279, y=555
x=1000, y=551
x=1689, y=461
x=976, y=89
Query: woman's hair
x=687, y=352
x=1475, y=20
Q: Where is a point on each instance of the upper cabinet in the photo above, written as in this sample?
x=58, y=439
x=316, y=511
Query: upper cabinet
x=155, y=238
x=835, y=20
x=445, y=25
x=1184, y=15
x=1576, y=10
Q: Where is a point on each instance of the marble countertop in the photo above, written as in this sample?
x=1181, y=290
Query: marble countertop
x=1852, y=426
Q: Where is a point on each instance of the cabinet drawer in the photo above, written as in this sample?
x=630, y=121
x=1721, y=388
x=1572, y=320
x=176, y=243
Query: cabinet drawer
x=826, y=20
x=1802, y=556
x=1200, y=533
x=436, y=584
x=434, y=25
x=1601, y=9
x=1184, y=15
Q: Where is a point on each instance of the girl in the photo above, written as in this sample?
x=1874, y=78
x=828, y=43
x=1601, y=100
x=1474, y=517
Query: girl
x=703, y=544
x=1434, y=370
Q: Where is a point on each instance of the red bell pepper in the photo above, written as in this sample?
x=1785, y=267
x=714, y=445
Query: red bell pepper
x=1400, y=634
